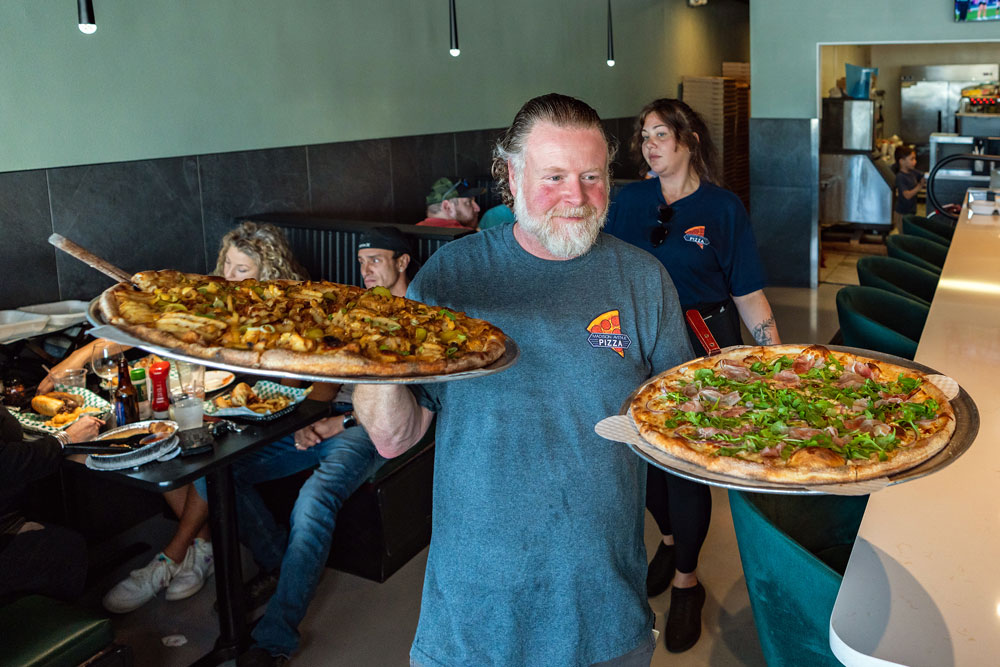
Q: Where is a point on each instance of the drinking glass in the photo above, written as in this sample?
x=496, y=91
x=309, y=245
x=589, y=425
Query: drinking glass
x=188, y=412
x=104, y=361
x=190, y=379
x=71, y=377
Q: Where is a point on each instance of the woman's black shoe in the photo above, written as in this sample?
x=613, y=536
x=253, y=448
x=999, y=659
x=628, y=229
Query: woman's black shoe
x=684, y=618
x=660, y=572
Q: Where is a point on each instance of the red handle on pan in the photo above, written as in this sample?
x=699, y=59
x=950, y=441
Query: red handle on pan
x=705, y=337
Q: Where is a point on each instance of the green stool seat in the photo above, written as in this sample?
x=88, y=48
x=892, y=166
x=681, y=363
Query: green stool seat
x=940, y=229
x=916, y=250
x=874, y=319
x=43, y=632
x=794, y=551
x=895, y=275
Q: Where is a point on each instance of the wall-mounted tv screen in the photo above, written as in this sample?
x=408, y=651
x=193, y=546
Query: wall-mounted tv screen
x=977, y=10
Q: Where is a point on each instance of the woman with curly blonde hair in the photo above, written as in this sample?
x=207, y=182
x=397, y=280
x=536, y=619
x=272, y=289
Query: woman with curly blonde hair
x=256, y=250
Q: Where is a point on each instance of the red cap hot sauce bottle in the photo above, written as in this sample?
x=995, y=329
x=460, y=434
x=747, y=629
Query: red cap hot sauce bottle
x=159, y=400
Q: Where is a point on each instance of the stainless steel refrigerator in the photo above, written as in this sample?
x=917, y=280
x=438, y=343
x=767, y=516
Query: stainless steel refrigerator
x=930, y=96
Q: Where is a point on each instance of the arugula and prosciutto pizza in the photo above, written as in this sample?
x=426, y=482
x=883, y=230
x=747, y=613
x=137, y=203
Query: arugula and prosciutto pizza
x=794, y=414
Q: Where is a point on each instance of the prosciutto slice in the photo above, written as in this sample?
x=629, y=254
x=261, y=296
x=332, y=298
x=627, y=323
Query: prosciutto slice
x=787, y=378
x=802, y=432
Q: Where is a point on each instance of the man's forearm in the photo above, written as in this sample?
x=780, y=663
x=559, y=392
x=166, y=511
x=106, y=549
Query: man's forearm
x=391, y=416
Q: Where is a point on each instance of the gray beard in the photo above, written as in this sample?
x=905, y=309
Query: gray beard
x=565, y=241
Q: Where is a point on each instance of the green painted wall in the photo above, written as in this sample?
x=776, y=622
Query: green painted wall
x=784, y=35
x=178, y=77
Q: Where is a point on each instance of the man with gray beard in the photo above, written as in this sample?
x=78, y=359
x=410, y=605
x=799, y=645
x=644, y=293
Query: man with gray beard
x=537, y=553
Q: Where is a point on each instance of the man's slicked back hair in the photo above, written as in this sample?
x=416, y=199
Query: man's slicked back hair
x=560, y=110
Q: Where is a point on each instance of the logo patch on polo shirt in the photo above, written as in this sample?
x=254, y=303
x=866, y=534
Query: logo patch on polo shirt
x=605, y=331
x=697, y=235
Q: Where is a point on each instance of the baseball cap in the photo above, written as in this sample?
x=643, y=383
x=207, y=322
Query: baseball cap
x=385, y=238
x=444, y=188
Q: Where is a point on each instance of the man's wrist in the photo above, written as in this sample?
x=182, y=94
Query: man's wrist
x=349, y=420
x=62, y=438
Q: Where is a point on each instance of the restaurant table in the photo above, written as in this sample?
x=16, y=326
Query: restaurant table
x=923, y=584
x=216, y=468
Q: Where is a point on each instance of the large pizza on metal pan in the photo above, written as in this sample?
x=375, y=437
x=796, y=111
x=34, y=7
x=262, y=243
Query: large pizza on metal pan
x=313, y=327
x=794, y=414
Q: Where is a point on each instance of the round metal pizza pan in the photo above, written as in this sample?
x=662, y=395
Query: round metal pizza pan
x=966, y=428
x=109, y=331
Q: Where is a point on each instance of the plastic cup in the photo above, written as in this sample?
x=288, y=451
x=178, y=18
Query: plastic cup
x=190, y=379
x=188, y=412
x=72, y=377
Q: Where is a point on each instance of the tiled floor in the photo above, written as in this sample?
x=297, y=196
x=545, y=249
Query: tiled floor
x=353, y=621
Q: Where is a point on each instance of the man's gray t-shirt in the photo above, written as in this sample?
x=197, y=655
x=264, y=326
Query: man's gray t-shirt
x=537, y=554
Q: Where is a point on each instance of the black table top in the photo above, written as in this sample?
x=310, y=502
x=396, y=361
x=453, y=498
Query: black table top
x=166, y=475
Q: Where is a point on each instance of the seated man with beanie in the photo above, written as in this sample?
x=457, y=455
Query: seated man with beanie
x=293, y=561
x=452, y=205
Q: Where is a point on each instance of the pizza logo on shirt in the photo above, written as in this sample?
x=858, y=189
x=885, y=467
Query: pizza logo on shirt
x=697, y=235
x=605, y=331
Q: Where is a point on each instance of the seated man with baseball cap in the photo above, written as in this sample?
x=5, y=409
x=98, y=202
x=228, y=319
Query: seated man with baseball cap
x=452, y=204
x=292, y=562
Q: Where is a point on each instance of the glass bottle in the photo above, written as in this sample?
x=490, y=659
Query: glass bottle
x=126, y=398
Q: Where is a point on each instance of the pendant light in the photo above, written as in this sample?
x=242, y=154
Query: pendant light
x=611, y=40
x=85, y=12
x=454, y=50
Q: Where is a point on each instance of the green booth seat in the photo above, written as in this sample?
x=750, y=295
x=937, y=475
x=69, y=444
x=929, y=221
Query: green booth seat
x=875, y=319
x=895, y=275
x=41, y=632
x=794, y=550
x=934, y=229
x=916, y=250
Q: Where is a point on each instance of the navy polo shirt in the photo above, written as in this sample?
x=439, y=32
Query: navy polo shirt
x=710, y=251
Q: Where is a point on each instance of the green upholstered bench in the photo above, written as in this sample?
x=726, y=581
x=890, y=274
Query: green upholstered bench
x=42, y=632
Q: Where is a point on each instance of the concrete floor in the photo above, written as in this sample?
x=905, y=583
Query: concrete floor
x=354, y=621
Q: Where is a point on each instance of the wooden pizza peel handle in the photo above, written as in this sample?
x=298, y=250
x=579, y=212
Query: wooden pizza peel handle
x=705, y=337
x=89, y=258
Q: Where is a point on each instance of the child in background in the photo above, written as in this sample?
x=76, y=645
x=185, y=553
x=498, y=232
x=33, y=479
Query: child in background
x=908, y=184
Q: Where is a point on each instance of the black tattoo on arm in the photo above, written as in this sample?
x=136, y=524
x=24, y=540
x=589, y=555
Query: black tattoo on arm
x=761, y=331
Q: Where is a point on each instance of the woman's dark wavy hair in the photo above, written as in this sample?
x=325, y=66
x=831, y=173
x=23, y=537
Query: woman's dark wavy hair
x=690, y=131
x=561, y=111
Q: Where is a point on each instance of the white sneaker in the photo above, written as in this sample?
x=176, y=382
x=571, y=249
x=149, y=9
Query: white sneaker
x=141, y=586
x=198, y=566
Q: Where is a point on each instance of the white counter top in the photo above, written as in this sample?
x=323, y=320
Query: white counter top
x=923, y=583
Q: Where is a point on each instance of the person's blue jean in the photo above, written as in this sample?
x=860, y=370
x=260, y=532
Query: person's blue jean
x=344, y=461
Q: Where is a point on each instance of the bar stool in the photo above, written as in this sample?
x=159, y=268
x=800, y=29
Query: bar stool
x=874, y=319
x=919, y=251
x=929, y=228
x=794, y=551
x=895, y=275
x=935, y=225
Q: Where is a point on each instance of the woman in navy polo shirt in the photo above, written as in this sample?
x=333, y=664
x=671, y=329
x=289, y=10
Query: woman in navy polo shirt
x=702, y=235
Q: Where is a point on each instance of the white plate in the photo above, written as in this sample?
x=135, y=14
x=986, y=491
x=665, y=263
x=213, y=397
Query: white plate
x=61, y=313
x=216, y=380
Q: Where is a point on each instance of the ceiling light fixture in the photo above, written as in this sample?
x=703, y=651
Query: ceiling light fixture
x=454, y=50
x=85, y=11
x=611, y=40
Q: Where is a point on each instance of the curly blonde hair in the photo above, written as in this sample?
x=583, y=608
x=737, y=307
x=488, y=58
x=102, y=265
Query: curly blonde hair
x=267, y=246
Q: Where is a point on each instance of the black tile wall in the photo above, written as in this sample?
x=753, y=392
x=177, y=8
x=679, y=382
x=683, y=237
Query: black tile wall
x=137, y=215
x=784, y=208
x=234, y=185
x=27, y=261
x=172, y=212
x=416, y=163
x=352, y=180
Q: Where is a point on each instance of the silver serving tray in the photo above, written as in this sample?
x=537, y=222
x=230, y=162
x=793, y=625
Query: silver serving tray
x=966, y=428
x=104, y=330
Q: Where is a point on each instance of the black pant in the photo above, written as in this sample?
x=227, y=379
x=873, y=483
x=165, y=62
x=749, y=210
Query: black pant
x=680, y=507
x=51, y=562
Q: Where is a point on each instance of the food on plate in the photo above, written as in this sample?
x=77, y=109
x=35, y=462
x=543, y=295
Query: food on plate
x=311, y=327
x=55, y=402
x=66, y=418
x=794, y=414
x=243, y=396
x=150, y=428
x=215, y=380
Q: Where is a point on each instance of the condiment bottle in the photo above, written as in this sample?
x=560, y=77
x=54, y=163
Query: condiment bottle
x=126, y=397
x=159, y=399
x=142, y=392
